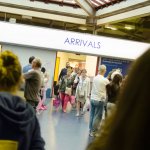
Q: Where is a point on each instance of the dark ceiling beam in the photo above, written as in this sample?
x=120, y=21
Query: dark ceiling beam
x=61, y=3
x=131, y=34
x=104, y=2
x=122, y=7
x=73, y=28
x=135, y=13
x=97, y=3
x=109, y=3
x=51, y=22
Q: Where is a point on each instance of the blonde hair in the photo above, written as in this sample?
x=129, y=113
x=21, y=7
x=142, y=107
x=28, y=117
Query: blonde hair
x=10, y=71
x=38, y=62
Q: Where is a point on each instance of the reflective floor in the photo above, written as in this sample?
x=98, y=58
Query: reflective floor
x=64, y=131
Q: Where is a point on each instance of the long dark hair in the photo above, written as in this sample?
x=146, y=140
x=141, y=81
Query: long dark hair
x=117, y=79
x=113, y=88
x=129, y=127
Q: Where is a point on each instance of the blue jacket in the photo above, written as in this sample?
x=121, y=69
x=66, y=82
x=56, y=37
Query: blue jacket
x=62, y=73
x=18, y=123
x=27, y=68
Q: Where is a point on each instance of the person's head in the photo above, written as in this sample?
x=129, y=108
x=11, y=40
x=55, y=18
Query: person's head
x=31, y=59
x=76, y=68
x=102, y=69
x=67, y=64
x=69, y=71
x=83, y=72
x=79, y=72
x=43, y=69
x=10, y=71
x=129, y=129
x=36, y=63
x=117, y=71
x=117, y=79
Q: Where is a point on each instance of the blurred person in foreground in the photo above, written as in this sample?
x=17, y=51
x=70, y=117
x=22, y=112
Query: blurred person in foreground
x=128, y=127
x=19, y=127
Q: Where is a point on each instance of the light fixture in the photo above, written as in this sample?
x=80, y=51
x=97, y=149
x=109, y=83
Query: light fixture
x=82, y=28
x=110, y=27
x=26, y=17
x=12, y=20
x=113, y=28
x=129, y=27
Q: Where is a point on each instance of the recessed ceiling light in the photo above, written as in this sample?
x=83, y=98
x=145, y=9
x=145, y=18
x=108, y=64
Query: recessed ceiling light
x=110, y=27
x=83, y=28
x=129, y=27
x=26, y=17
x=113, y=28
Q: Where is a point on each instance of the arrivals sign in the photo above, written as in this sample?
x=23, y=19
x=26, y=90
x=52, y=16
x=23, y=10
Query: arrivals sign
x=82, y=43
x=52, y=39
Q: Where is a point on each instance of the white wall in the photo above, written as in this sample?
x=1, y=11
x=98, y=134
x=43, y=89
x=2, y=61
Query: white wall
x=47, y=57
x=91, y=63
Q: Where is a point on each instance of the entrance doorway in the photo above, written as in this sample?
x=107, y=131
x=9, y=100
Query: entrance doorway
x=82, y=61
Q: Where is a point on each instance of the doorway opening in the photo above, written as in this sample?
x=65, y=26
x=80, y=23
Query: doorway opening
x=82, y=61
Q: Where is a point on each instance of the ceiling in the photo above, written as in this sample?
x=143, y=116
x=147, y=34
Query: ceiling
x=96, y=14
x=96, y=4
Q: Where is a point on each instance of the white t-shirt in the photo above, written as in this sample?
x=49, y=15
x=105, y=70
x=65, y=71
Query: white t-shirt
x=99, y=88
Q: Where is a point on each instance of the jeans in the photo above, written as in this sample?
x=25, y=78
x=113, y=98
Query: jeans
x=95, y=114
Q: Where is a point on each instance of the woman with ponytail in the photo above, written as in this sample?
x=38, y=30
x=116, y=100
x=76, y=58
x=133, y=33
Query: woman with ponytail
x=19, y=127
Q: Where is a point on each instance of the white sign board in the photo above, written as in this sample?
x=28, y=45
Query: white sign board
x=70, y=41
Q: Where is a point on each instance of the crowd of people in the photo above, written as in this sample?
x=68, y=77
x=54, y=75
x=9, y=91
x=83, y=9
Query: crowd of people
x=124, y=101
x=102, y=98
x=73, y=84
x=127, y=128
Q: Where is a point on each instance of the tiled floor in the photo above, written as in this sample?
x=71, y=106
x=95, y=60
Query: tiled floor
x=64, y=131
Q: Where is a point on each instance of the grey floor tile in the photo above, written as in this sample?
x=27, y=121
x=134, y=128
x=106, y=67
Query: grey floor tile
x=64, y=131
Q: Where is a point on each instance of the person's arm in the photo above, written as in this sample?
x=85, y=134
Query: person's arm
x=37, y=142
x=76, y=90
x=60, y=75
x=88, y=88
x=28, y=75
x=76, y=79
x=46, y=78
x=24, y=69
